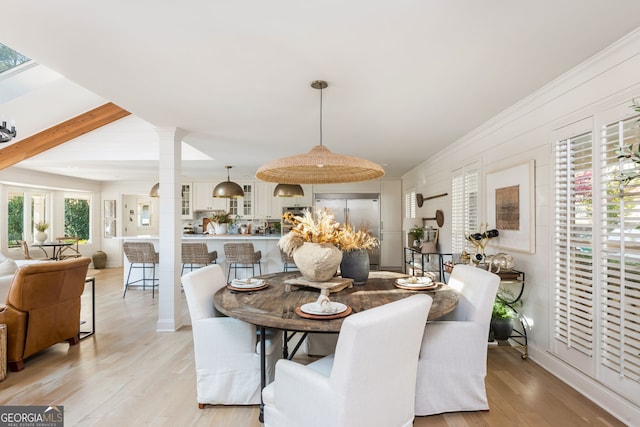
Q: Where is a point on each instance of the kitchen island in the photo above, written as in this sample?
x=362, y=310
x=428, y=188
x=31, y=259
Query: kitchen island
x=266, y=243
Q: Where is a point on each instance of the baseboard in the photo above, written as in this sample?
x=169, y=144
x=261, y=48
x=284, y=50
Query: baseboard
x=624, y=410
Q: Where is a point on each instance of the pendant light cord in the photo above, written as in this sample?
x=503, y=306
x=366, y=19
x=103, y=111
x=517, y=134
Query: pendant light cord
x=321, y=116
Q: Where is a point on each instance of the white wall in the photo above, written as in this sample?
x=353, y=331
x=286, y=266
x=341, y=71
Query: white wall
x=523, y=133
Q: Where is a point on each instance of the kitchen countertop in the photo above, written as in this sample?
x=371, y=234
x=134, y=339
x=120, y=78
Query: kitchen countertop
x=210, y=237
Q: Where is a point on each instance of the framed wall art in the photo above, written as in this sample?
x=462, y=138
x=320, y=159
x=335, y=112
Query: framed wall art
x=511, y=206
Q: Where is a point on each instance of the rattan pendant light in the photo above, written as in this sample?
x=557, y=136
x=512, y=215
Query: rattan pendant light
x=319, y=166
x=288, y=190
x=228, y=189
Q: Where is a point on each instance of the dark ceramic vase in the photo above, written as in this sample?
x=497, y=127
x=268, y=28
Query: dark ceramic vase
x=355, y=265
x=99, y=260
x=502, y=328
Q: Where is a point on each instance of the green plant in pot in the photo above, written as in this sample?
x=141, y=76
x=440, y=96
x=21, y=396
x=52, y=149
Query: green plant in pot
x=417, y=234
x=502, y=317
x=221, y=221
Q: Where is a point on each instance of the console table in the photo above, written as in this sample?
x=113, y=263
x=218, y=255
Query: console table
x=417, y=263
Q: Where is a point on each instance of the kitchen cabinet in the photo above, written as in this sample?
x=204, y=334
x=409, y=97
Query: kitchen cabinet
x=267, y=206
x=391, y=224
x=203, y=199
x=243, y=207
x=300, y=201
x=186, y=203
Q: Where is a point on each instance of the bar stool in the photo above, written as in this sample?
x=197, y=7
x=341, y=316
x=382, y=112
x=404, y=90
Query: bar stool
x=242, y=255
x=287, y=261
x=143, y=253
x=197, y=253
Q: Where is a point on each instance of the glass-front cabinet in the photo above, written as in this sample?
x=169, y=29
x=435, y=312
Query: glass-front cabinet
x=186, y=206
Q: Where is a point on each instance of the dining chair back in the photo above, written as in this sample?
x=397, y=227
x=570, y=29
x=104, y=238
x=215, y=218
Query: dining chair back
x=369, y=381
x=453, y=358
x=241, y=255
x=24, y=247
x=141, y=255
x=225, y=349
x=72, y=251
x=288, y=263
x=196, y=253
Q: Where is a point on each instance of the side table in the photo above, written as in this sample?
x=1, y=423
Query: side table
x=3, y=351
x=86, y=334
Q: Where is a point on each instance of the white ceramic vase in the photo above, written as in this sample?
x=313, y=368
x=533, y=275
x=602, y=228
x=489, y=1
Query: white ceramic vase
x=41, y=236
x=318, y=262
x=220, y=228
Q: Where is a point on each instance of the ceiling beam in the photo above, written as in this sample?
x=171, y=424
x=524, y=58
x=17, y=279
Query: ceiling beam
x=60, y=133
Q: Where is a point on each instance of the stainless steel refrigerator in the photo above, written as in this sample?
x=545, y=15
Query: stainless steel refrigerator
x=359, y=210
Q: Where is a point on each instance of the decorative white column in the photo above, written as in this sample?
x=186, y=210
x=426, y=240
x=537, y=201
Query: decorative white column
x=170, y=172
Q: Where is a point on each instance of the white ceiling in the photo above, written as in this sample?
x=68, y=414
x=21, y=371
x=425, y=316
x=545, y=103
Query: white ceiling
x=406, y=78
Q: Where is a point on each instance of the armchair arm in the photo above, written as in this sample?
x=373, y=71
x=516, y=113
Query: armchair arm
x=302, y=393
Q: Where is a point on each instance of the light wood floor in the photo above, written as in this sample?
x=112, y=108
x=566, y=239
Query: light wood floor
x=130, y=375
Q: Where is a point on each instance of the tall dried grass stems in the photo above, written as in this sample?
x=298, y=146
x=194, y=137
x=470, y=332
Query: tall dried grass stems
x=322, y=228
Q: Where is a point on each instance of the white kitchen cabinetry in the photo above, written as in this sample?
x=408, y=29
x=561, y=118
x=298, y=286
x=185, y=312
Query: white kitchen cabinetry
x=391, y=224
x=204, y=200
x=267, y=206
x=302, y=201
x=244, y=206
x=186, y=205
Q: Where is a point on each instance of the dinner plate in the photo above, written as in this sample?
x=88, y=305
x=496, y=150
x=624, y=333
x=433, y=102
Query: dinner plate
x=420, y=282
x=314, y=308
x=245, y=283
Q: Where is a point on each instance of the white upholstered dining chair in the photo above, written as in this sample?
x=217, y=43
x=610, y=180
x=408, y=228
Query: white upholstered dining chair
x=368, y=381
x=226, y=350
x=453, y=358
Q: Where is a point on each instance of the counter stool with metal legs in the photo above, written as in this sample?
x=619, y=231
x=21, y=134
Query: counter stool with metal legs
x=196, y=253
x=287, y=262
x=144, y=254
x=241, y=255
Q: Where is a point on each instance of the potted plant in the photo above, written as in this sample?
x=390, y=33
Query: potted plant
x=416, y=234
x=41, y=227
x=502, y=317
x=221, y=221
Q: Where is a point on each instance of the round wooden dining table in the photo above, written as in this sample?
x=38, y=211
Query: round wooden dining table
x=276, y=307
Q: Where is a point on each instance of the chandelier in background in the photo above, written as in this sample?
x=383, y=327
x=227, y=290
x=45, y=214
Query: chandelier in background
x=7, y=134
x=228, y=189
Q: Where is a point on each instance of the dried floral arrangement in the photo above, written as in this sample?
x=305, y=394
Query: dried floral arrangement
x=322, y=228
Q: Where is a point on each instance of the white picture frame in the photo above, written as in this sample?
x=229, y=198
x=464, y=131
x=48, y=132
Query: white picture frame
x=510, y=195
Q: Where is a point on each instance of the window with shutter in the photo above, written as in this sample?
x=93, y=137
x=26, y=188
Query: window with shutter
x=410, y=204
x=620, y=261
x=597, y=252
x=573, y=237
x=464, y=205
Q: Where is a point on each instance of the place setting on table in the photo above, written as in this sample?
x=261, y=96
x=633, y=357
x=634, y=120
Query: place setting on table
x=249, y=284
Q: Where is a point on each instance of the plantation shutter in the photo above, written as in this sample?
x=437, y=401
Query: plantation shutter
x=620, y=263
x=464, y=206
x=573, y=250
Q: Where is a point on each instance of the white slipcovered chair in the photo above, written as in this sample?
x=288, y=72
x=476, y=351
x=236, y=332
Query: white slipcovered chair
x=453, y=358
x=226, y=350
x=368, y=381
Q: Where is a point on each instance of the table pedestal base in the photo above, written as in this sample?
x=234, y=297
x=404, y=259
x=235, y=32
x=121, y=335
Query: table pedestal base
x=336, y=284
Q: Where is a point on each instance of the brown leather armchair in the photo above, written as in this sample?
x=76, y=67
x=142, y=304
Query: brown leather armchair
x=43, y=307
